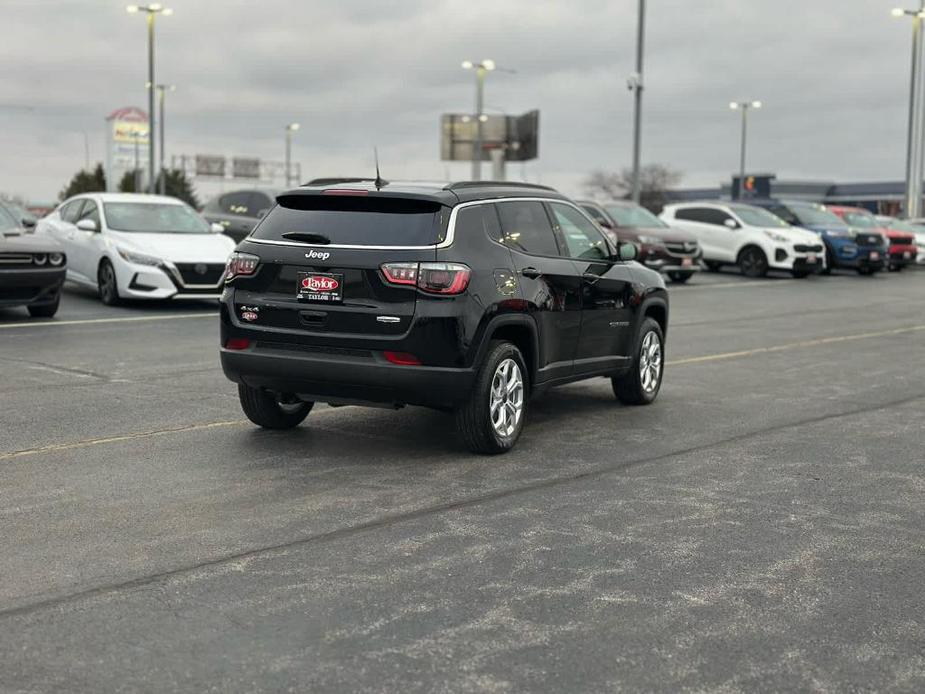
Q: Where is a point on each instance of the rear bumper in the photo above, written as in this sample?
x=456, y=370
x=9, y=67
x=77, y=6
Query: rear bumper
x=328, y=376
x=19, y=287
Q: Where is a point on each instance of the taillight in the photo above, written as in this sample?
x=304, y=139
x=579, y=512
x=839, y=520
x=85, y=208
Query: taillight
x=434, y=278
x=237, y=343
x=241, y=265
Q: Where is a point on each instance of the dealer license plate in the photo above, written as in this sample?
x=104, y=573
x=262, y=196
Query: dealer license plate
x=321, y=287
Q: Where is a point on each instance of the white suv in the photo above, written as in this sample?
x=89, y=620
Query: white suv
x=747, y=236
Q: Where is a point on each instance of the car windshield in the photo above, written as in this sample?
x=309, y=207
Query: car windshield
x=902, y=225
x=154, y=217
x=634, y=216
x=864, y=220
x=7, y=221
x=757, y=217
x=814, y=214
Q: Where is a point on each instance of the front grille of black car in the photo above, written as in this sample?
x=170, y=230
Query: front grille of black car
x=868, y=240
x=804, y=248
x=687, y=248
x=201, y=273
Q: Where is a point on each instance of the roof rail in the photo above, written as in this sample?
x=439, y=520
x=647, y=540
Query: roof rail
x=491, y=184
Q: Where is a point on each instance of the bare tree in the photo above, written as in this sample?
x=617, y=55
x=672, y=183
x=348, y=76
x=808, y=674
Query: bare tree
x=655, y=180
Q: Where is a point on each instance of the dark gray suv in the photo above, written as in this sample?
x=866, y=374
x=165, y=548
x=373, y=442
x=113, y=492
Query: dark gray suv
x=238, y=211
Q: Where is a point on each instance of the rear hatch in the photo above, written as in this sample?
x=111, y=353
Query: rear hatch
x=320, y=263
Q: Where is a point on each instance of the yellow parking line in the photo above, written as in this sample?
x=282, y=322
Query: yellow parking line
x=86, y=443
x=96, y=321
x=56, y=447
x=795, y=345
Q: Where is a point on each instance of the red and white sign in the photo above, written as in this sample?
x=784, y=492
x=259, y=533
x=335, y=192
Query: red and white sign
x=319, y=284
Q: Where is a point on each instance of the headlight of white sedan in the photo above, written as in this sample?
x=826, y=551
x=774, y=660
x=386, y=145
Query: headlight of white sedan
x=138, y=258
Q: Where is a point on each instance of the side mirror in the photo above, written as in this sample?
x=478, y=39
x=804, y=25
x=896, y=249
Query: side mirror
x=731, y=224
x=216, y=228
x=627, y=251
x=28, y=223
x=605, y=224
x=87, y=225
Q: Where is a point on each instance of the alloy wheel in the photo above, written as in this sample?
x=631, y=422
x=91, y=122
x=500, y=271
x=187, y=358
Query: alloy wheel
x=650, y=362
x=506, y=398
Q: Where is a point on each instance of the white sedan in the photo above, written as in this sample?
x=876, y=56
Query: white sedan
x=129, y=246
x=747, y=236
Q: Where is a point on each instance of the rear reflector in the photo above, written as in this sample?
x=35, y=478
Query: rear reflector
x=402, y=358
x=237, y=343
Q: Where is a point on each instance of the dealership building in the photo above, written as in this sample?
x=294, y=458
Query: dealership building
x=880, y=197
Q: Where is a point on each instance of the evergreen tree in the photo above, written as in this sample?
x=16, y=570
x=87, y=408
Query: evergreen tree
x=85, y=182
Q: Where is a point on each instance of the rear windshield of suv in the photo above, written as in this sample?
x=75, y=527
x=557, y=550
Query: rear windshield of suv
x=354, y=220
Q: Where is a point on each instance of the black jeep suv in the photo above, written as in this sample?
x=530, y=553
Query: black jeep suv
x=470, y=297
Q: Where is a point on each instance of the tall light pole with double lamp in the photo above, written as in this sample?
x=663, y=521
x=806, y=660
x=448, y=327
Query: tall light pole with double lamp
x=481, y=69
x=151, y=11
x=162, y=89
x=914, y=138
x=744, y=107
x=290, y=128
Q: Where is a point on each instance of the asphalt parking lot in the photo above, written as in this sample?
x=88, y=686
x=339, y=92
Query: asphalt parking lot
x=762, y=526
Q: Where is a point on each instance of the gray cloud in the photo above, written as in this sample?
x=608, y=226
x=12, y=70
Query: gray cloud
x=357, y=73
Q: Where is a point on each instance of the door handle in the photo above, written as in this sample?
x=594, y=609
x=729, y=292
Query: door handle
x=530, y=272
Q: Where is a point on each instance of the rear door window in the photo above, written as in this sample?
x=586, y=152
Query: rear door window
x=704, y=215
x=346, y=220
x=525, y=226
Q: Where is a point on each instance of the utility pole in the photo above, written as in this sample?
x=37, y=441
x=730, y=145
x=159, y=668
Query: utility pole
x=744, y=107
x=914, y=138
x=480, y=70
x=635, y=84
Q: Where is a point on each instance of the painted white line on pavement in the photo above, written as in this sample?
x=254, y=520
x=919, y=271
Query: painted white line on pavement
x=795, y=345
x=96, y=321
x=86, y=443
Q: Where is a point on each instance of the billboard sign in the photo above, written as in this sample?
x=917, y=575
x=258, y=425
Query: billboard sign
x=127, y=134
x=245, y=167
x=210, y=165
x=517, y=135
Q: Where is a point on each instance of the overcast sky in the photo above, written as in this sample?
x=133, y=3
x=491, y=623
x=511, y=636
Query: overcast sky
x=833, y=76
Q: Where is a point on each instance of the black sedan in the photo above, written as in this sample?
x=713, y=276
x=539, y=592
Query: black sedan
x=32, y=268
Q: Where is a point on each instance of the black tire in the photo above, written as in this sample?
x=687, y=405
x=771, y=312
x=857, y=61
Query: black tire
x=474, y=417
x=753, y=262
x=713, y=266
x=630, y=388
x=44, y=310
x=680, y=277
x=107, y=285
x=265, y=409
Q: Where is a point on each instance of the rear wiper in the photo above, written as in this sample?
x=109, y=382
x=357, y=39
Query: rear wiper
x=307, y=237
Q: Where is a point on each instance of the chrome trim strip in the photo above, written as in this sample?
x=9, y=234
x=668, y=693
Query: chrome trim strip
x=388, y=319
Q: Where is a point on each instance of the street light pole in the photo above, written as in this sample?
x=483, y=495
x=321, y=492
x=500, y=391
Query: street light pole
x=635, y=84
x=480, y=70
x=291, y=128
x=743, y=106
x=151, y=11
x=914, y=140
x=162, y=177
